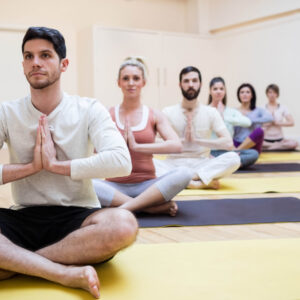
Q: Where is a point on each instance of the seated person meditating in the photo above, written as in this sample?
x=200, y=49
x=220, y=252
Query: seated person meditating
x=232, y=117
x=252, y=136
x=194, y=123
x=274, y=139
x=56, y=228
x=139, y=124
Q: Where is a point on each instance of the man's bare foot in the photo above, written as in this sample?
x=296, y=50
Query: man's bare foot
x=198, y=184
x=6, y=274
x=214, y=184
x=169, y=208
x=82, y=277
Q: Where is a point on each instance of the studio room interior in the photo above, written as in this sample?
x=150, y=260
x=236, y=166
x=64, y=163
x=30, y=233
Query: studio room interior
x=176, y=120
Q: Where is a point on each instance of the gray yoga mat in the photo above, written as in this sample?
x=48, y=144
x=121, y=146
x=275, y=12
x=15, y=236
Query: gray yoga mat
x=272, y=167
x=282, y=150
x=227, y=212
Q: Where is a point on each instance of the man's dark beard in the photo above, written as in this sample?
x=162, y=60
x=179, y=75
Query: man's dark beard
x=190, y=94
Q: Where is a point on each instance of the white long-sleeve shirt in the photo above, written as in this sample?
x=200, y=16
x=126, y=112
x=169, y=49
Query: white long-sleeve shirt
x=205, y=121
x=78, y=125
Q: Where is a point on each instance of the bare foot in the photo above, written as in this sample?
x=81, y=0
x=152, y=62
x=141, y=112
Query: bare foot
x=198, y=184
x=214, y=184
x=82, y=277
x=169, y=208
x=6, y=274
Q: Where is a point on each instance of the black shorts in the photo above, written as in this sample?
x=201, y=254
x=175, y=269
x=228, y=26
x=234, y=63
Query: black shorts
x=36, y=227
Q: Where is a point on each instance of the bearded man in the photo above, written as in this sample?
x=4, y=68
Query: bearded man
x=194, y=123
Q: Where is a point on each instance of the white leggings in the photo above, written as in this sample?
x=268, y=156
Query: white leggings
x=169, y=184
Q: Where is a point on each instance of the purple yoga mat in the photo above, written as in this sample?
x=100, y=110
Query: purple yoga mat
x=278, y=167
x=227, y=212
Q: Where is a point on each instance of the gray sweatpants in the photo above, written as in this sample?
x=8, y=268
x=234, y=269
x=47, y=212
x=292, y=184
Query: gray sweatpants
x=169, y=184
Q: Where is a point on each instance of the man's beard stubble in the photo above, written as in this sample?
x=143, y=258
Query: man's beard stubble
x=190, y=94
x=45, y=83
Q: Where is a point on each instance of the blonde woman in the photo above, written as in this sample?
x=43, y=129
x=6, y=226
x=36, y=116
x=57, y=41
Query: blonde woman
x=139, y=124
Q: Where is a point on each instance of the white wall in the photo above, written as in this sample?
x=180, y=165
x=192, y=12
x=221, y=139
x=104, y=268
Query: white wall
x=227, y=12
x=262, y=53
x=13, y=83
x=72, y=16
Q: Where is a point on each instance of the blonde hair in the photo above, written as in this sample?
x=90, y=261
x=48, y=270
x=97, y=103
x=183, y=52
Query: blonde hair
x=135, y=62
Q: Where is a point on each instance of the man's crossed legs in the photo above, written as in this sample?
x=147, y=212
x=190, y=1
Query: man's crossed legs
x=101, y=235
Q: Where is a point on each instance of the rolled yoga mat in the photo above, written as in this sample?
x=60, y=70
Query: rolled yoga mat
x=253, y=185
x=271, y=167
x=235, y=270
x=227, y=212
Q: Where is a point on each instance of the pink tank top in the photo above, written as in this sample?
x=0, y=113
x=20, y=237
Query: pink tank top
x=142, y=164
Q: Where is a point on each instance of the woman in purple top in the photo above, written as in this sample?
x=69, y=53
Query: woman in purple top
x=253, y=136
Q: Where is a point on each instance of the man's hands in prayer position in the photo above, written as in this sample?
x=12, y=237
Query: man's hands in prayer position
x=188, y=142
x=48, y=151
x=45, y=153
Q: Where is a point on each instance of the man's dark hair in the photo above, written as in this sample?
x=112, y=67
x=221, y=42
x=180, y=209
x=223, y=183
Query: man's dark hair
x=49, y=34
x=253, y=98
x=188, y=70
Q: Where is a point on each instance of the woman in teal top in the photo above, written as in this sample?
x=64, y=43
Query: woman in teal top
x=232, y=117
x=253, y=136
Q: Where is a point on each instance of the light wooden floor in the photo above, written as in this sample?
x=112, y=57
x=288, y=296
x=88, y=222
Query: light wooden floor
x=204, y=233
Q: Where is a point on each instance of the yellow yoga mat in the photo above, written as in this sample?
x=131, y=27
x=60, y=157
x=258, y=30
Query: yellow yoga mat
x=250, y=186
x=235, y=270
x=279, y=156
x=266, y=156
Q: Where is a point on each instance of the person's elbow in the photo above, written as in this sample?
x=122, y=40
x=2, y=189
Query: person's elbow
x=228, y=144
x=125, y=165
x=177, y=146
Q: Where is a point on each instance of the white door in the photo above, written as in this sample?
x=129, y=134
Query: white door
x=13, y=82
x=180, y=51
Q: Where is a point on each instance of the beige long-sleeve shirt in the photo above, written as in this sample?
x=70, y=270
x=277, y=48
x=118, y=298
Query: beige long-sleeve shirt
x=78, y=125
x=206, y=120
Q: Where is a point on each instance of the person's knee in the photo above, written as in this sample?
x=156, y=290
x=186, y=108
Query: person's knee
x=254, y=154
x=248, y=157
x=259, y=133
x=125, y=226
x=231, y=157
x=185, y=173
x=293, y=144
x=180, y=178
x=128, y=224
x=119, y=225
x=233, y=160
